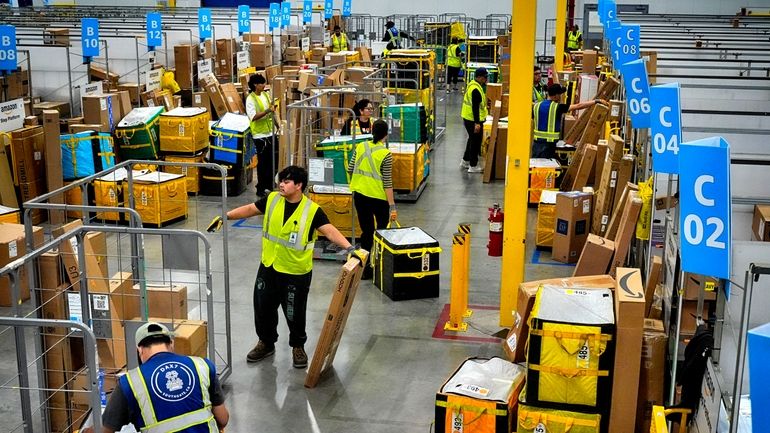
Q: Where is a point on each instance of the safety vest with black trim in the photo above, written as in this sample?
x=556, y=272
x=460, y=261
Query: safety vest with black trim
x=467, y=109
x=265, y=124
x=573, y=39
x=547, y=123
x=170, y=393
x=288, y=247
x=395, y=36
x=367, y=170
x=452, y=58
x=339, y=43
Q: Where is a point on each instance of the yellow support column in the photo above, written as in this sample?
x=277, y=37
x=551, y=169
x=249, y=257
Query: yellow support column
x=517, y=159
x=561, y=30
x=465, y=228
x=458, y=295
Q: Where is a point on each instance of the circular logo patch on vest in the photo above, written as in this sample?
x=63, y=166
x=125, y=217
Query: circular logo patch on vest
x=172, y=381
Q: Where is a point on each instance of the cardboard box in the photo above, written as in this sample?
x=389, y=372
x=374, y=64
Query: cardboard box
x=62, y=107
x=651, y=375
x=590, y=58
x=626, y=230
x=573, y=216
x=102, y=110
x=201, y=99
x=225, y=55
x=162, y=301
x=318, y=53
x=233, y=99
x=191, y=338
x=760, y=225
x=526, y=300
x=494, y=93
x=332, y=59
x=307, y=80
x=616, y=147
x=123, y=100
x=625, y=171
x=28, y=150
x=80, y=382
x=254, y=38
x=596, y=256
x=586, y=166
x=692, y=284
x=690, y=313
x=95, y=246
x=133, y=90
x=185, y=58
x=292, y=54
x=629, y=323
x=652, y=282
x=272, y=71
x=100, y=74
x=261, y=55
x=356, y=75
x=13, y=246
x=511, y=343
x=56, y=36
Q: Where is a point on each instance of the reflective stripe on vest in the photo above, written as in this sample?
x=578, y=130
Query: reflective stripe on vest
x=453, y=59
x=151, y=424
x=339, y=42
x=572, y=42
x=395, y=36
x=467, y=109
x=367, y=178
x=549, y=133
x=263, y=125
x=537, y=95
x=282, y=249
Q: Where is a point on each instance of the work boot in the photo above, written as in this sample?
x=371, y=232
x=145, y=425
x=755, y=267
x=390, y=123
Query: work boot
x=298, y=357
x=261, y=351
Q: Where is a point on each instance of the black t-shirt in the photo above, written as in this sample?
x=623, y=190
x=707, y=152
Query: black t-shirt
x=117, y=413
x=366, y=127
x=319, y=220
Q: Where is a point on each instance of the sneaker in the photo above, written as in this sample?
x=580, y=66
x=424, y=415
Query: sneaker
x=298, y=357
x=448, y=90
x=476, y=169
x=261, y=351
x=465, y=164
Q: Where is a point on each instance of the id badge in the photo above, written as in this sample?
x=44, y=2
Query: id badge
x=293, y=237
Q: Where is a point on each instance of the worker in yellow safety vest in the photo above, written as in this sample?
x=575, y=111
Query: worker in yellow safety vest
x=454, y=62
x=260, y=108
x=283, y=280
x=474, y=113
x=539, y=90
x=371, y=181
x=574, y=39
x=339, y=40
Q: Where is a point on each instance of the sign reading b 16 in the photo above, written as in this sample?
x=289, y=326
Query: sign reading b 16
x=704, y=185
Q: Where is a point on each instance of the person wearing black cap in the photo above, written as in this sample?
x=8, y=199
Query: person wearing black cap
x=474, y=113
x=167, y=392
x=393, y=36
x=547, y=123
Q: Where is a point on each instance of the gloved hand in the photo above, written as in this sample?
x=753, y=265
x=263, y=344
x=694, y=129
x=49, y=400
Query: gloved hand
x=360, y=254
x=393, y=213
x=215, y=225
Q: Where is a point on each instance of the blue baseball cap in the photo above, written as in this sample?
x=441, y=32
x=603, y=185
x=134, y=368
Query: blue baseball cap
x=481, y=72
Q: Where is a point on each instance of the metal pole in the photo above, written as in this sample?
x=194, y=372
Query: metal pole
x=741, y=355
x=69, y=78
x=675, y=352
x=21, y=353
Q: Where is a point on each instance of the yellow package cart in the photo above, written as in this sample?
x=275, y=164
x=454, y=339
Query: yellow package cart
x=542, y=175
x=481, y=396
x=9, y=215
x=108, y=191
x=160, y=197
x=191, y=174
x=546, y=219
x=533, y=419
x=571, y=347
x=408, y=164
x=337, y=202
x=184, y=130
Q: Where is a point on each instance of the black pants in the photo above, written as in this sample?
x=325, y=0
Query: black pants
x=274, y=289
x=543, y=149
x=265, y=160
x=473, y=146
x=373, y=213
x=453, y=74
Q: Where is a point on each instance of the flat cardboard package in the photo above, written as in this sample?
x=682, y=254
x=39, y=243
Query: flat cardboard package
x=12, y=246
x=573, y=216
x=626, y=230
x=629, y=322
x=28, y=150
x=596, y=256
x=225, y=55
x=201, y=99
x=760, y=225
x=162, y=301
x=651, y=376
x=185, y=58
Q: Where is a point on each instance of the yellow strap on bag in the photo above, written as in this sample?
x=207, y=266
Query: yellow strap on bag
x=545, y=418
x=643, y=226
x=568, y=372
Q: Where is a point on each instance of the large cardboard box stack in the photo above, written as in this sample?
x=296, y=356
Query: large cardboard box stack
x=17, y=84
x=13, y=245
x=28, y=149
x=99, y=74
x=185, y=61
x=573, y=215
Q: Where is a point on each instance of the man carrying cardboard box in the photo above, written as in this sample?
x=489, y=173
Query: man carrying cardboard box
x=167, y=392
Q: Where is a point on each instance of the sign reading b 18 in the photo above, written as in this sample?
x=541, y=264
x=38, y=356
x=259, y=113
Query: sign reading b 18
x=704, y=170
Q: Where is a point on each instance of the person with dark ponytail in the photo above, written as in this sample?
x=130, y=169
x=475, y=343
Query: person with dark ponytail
x=260, y=109
x=362, y=122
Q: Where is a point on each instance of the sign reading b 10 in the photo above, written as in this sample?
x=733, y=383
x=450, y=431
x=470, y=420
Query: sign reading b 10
x=89, y=37
x=704, y=170
x=637, y=92
x=666, y=127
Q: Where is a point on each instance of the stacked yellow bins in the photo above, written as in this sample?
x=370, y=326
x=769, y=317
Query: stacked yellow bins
x=160, y=197
x=184, y=130
x=108, y=191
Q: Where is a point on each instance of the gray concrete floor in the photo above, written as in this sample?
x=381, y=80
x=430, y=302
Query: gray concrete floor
x=388, y=366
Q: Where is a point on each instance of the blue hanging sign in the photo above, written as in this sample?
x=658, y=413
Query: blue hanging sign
x=285, y=14
x=328, y=9
x=154, y=30
x=244, y=19
x=600, y=10
x=307, y=11
x=89, y=37
x=275, y=16
x=704, y=186
x=204, y=23
x=611, y=29
x=347, y=6
x=7, y=48
x=610, y=10
x=637, y=92
x=666, y=127
x=629, y=42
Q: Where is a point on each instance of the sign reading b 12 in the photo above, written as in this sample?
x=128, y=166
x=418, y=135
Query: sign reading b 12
x=244, y=19
x=7, y=48
x=204, y=23
x=704, y=176
x=637, y=92
x=154, y=32
x=89, y=36
x=666, y=127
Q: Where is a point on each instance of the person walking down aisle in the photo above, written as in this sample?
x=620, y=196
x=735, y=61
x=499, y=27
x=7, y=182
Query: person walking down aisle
x=474, y=113
x=362, y=123
x=339, y=40
x=548, y=116
x=371, y=166
x=539, y=90
x=260, y=110
x=285, y=272
x=454, y=62
x=167, y=392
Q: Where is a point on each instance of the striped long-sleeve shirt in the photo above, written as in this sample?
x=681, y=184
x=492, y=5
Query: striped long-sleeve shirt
x=386, y=168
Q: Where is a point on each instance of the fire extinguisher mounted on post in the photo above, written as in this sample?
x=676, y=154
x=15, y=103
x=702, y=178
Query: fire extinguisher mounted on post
x=495, y=245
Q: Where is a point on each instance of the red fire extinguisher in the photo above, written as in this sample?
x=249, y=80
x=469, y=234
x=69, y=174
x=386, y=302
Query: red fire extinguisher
x=495, y=245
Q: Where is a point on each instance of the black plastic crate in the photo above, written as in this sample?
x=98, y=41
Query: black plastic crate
x=211, y=180
x=406, y=263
